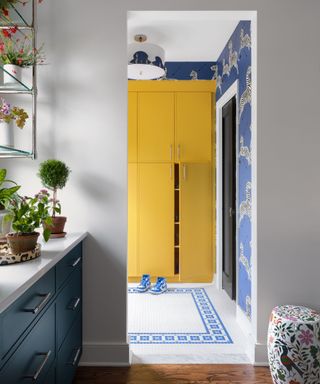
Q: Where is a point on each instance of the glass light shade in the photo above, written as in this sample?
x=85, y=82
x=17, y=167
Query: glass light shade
x=145, y=61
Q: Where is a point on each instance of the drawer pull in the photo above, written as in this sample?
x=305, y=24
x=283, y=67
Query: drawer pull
x=76, y=302
x=76, y=357
x=35, y=376
x=76, y=262
x=46, y=297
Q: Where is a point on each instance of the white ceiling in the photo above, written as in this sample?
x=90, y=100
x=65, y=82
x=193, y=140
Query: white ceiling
x=186, y=35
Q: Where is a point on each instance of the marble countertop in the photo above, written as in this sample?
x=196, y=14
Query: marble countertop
x=15, y=279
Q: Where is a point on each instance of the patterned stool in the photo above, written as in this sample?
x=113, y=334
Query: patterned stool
x=294, y=345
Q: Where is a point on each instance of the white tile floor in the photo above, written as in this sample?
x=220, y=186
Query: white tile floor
x=187, y=353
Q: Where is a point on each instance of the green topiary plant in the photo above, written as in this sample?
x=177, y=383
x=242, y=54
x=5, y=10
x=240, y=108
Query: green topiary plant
x=54, y=175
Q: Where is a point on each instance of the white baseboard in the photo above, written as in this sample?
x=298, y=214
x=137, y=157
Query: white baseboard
x=244, y=323
x=105, y=354
x=261, y=355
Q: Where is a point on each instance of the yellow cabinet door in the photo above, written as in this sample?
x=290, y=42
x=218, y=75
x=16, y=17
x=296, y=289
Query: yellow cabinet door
x=196, y=216
x=155, y=126
x=132, y=219
x=156, y=226
x=132, y=127
x=193, y=133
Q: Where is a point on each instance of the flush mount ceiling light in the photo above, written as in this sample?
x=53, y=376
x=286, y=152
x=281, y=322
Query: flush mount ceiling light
x=145, y=60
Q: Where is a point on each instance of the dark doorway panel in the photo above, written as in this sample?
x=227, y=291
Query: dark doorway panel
x=229, y=161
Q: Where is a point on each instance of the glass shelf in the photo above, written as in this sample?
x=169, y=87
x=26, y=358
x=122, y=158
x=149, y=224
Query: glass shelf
x=17, y=15
x=14, y=86
x=4, y=89
x=14, y=152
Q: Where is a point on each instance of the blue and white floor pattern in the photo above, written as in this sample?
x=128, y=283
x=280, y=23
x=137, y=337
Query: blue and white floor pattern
x=214, y=331
x=189, y=324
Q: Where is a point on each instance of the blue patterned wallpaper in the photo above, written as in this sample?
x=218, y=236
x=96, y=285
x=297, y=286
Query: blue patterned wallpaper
x=235, y=63
x=190, y=70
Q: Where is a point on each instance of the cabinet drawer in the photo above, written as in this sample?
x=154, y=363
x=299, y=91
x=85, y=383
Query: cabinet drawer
x=69, y=355
x=68, y=264
x=26, y=309
x=69, y=304
x=50, y=377
x=35, y=355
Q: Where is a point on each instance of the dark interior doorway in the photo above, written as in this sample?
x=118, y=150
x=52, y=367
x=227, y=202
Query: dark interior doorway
x=229, y=161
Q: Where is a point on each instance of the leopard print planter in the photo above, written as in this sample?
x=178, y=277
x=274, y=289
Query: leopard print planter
x=294, y=345
x=6, y=257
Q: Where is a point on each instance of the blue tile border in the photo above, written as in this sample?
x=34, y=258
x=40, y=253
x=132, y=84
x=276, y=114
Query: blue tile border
x=216, y=332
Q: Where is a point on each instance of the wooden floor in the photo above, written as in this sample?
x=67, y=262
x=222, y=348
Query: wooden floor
x=174, y=374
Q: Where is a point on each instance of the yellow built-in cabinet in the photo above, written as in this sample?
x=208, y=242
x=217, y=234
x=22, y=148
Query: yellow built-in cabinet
x=171, y=180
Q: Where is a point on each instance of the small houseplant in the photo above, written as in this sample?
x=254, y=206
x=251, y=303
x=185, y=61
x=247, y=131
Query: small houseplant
x=16, y=53
x=28, y=214
x=8, y=115
x=54, y=175
x=6, y=195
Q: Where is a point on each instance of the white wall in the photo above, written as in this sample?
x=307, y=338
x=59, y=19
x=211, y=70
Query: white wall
x=83, y=121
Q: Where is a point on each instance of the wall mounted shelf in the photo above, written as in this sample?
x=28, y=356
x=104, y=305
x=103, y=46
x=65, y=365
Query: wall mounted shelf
x=24, y=18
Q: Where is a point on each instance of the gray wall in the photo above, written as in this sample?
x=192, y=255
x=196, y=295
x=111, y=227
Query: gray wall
x=83, y=121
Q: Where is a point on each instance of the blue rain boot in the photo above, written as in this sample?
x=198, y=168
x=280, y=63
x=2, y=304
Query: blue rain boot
x=160, y=286
x=145, y=283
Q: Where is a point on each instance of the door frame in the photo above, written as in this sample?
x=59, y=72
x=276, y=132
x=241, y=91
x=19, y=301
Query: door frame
x=228, y=95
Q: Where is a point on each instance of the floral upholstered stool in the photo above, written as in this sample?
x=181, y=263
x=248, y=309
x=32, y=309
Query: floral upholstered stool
x=294, y=345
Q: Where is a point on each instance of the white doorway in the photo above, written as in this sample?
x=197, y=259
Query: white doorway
x=159, y=328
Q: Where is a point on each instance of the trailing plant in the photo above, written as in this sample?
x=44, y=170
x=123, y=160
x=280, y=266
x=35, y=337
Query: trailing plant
x=6, y=193
x=54, y=175
x=8, y=113
x=30, y=213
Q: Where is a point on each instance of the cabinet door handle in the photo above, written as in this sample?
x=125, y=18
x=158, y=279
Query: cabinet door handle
x=46, y=297
x=75, y=302
x=184, y=169
x=178, y=151
x=171, y=152
x=171, y=173
x=76, y=356
x=34, y=377
x=76, y=262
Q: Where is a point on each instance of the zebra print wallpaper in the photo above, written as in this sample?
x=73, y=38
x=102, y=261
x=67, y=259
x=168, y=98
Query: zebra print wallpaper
x=190, y=70
x=235, y=63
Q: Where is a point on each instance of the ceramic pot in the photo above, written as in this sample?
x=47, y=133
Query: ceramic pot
x=22, y=242
x=15, y=71
x=6, y=134
x=58, y=224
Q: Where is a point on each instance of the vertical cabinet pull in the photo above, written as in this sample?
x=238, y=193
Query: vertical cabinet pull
x=171, y=152
x=178, y=151
x=171, y=171
x=76, y=262
x=76, y=356
x=42, y=303
x=184, y=171
x=34, y=376
x=74, y=303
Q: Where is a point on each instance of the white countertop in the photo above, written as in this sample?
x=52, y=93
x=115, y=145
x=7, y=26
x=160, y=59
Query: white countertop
x=15, y=279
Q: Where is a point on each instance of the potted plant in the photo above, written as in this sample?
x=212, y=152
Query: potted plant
x=6, y=194
x=16, y=53
x=54, y=175
x=28, y=214
x=8, y=115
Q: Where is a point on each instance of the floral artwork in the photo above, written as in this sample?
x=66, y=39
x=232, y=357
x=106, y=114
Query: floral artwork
x=294, y=345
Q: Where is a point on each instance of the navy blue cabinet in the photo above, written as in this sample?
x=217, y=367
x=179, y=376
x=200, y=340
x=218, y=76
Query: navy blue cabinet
x=41, y=333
